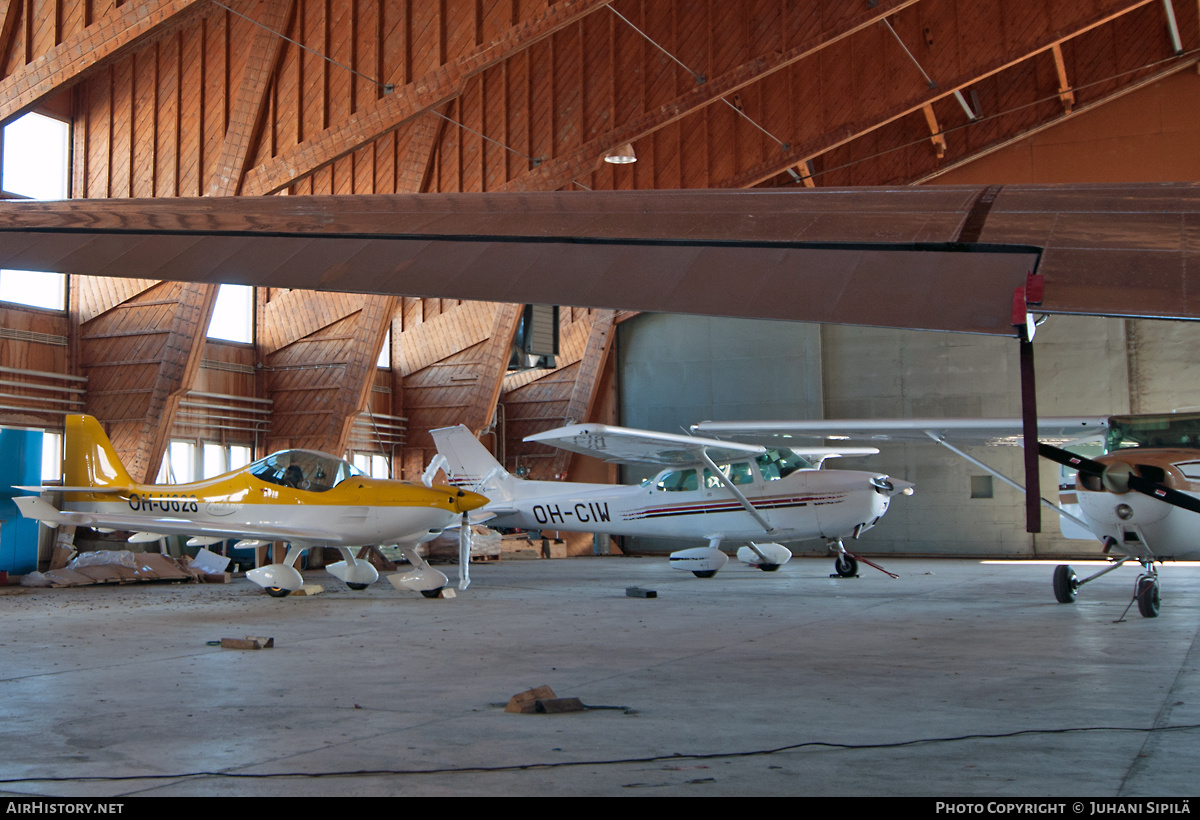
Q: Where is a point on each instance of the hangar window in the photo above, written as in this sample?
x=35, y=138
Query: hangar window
x=373, y=464
x=51, y=456
x=233, y=314
x=385, y=355
x=34, y=165
x=981, y=486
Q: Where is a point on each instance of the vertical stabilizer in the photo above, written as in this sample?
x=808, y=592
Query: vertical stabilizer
x=470, y=465
x=89, y=459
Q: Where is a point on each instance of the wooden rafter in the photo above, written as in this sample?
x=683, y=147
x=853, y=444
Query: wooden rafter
x=143, y=355
x=443, y=336
x=587, y=380
x=481, y=403
x=561, y=170
x=250, y=103
x=320, y=351
x=392, y=110
x=859, y=123
x=100, y=42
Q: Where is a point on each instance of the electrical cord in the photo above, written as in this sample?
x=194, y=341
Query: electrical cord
x=605, y=761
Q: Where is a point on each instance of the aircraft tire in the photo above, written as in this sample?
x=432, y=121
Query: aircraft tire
x=277, y=592
x=431, y=593
x=768, y=567
x=1147, y=597
x=1066, y=584
x=845, y=566
x=357, y=586
x=707, y=573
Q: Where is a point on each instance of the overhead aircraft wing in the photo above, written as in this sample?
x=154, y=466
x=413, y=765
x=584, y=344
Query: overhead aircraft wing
x=42, y=510
x=963, y=431
x=628, y=446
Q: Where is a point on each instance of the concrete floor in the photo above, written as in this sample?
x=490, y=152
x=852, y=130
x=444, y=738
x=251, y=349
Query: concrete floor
x=869, y=686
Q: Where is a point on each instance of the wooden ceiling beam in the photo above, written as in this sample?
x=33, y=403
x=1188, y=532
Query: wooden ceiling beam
x=556, y=173
x=105, y=39
x=246, y=114
x=393, y=110
x=587, y=381
x=157, y=377
x=860, y=121
x=481, y=401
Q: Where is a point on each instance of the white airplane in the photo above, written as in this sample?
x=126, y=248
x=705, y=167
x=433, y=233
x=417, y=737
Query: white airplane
x=303, y=497
x=1138, y=497
x=709, y=490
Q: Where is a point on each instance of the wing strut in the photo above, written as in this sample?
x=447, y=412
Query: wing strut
x=745, y=502
x=992, y=471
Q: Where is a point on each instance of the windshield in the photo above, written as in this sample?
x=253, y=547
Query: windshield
x=303, y=470
x=1160, y=430
x=777, y=464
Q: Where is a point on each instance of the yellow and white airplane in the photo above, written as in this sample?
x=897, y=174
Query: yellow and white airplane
x=305, y=498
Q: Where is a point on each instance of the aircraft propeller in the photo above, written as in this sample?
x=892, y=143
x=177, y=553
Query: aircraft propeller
x=1119, y=478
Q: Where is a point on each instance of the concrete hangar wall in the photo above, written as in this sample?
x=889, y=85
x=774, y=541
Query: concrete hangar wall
x=676, y=370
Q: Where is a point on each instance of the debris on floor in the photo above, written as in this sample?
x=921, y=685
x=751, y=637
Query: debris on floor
x=248, y=642
x=542, y=700
x=638, y=592
x=113, y=567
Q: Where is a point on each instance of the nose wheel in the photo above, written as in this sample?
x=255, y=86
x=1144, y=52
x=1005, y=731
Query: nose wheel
x=1146, y=592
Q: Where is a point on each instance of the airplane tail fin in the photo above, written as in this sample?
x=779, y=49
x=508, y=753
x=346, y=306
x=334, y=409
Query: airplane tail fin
x=89, y=459
x=470, y=465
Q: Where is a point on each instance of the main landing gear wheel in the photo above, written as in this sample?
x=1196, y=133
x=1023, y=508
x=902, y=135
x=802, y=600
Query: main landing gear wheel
x=1147, y=596
x=432, y=593
x=768, y=567
x=357, y=586
x=1066, y=584
x=704, y=573
x=846, y=566
x=277, y=592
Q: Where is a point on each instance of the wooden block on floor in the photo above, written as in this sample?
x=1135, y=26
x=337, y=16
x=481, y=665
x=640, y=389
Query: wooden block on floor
x=525, y=703
x=309, y=589
x=638, y=592
x=248, y=642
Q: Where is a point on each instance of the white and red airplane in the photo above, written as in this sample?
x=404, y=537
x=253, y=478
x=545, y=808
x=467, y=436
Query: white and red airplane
x=1138, y=497
x=709, y=490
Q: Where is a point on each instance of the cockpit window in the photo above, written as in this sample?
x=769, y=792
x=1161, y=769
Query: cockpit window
x=1177, y=430
x=777, y=464
x=303, y=470
x=677, y=481
x=738, y=473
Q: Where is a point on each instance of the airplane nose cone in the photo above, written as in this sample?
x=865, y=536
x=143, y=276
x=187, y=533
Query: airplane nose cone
x=467, y=501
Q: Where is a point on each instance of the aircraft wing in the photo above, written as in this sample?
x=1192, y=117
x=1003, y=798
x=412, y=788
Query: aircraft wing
x=42, y=510
x=963, y=431
x=624, y=445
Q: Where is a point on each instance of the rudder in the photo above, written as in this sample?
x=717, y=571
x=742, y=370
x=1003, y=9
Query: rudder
x=89, y=459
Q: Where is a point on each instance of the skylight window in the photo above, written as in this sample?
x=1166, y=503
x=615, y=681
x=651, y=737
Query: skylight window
x=233, y=315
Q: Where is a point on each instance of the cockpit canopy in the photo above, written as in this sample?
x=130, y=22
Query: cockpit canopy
x=1170, y=430
x=303, y=470
x=772, y=466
